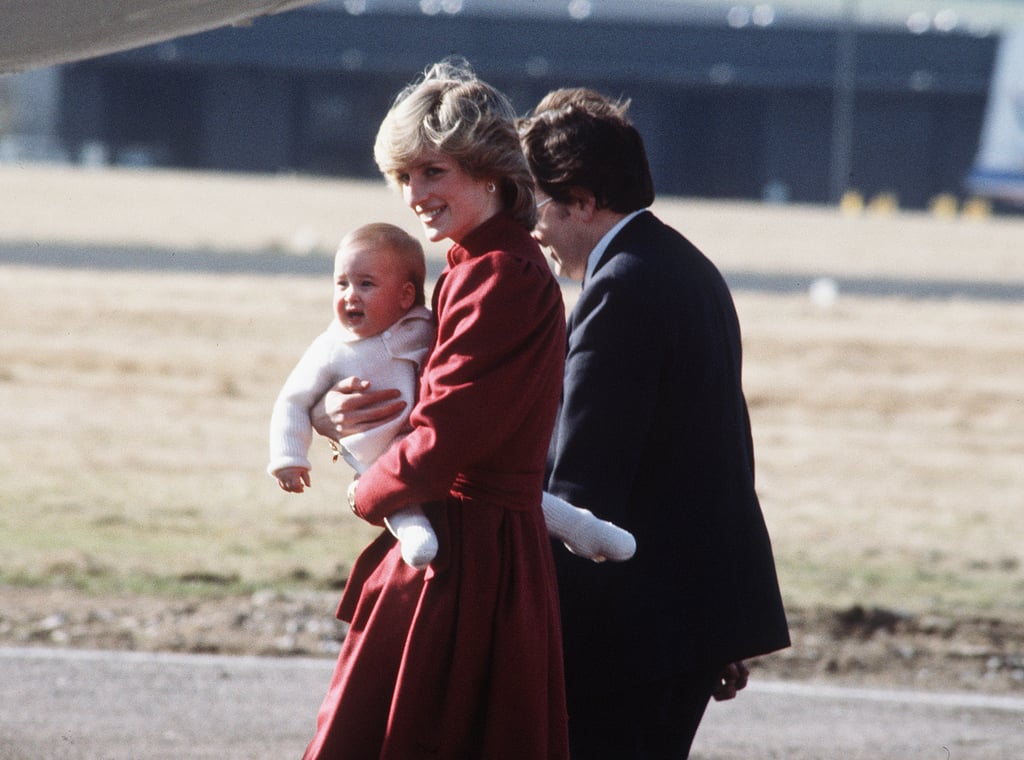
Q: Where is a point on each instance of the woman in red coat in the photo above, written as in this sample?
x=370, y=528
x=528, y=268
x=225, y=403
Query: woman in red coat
x=462, y=661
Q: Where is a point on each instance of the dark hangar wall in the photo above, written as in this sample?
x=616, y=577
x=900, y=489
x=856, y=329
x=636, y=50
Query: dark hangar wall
x=726, y=113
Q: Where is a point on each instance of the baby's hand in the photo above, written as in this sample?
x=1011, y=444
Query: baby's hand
x=293, y=479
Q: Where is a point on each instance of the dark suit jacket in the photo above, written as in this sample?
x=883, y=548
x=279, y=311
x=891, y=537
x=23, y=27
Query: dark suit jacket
x=653, y=434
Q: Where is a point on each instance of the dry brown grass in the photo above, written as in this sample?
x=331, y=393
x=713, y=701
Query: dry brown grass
x=134, y=408
x=890, y=437
x=890, y=433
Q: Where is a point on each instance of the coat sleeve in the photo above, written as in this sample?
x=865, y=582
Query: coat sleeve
x=495, y=314
x=613, y=371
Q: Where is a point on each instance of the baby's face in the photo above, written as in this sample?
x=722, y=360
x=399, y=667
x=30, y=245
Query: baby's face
x=371, y=289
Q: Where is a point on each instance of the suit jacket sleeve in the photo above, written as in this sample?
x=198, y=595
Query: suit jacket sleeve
x=613, y=363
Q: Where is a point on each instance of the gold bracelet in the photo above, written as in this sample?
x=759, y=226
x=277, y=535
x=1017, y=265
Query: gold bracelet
x=352, y=496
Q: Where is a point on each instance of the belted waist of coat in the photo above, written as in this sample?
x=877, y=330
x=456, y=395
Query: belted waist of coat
x=519, y=492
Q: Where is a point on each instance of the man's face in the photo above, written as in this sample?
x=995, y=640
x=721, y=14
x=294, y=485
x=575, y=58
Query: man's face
x=560, y=230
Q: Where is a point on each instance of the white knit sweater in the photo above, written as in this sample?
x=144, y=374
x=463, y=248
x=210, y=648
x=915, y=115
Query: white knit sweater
x=391, y=359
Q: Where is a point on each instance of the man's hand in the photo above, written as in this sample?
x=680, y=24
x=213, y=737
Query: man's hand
x=731, y=681
x=350, y=408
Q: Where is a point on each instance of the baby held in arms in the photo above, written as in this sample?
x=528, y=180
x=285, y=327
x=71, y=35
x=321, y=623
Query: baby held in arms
x=382, y=332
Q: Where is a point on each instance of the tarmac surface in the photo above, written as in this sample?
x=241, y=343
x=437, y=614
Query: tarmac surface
x=61, y=704
x=270, y=263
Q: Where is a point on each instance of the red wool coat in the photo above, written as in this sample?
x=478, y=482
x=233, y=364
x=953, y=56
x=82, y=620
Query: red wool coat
x=463, y=661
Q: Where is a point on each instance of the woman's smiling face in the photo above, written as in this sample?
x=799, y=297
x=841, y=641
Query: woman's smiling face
x=448, y=201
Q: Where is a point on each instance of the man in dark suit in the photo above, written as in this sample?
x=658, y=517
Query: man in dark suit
x=653, y=434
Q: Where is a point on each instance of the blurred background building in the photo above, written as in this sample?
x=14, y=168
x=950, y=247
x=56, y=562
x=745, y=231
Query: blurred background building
x=789, y=101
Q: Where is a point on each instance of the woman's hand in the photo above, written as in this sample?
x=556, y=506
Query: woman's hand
x=350, y=408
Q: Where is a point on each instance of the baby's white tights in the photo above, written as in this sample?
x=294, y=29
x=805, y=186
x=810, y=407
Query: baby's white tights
x=415, y=536
x=585, y=534
x=579, y=529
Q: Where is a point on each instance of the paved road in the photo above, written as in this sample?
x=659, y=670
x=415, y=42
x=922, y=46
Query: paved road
x=238, y=262
x=83, y=705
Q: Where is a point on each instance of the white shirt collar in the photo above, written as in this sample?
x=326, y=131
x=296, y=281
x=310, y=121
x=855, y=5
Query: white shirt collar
x=602, y=244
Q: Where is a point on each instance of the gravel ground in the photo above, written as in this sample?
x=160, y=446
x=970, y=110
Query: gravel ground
x=855, y=646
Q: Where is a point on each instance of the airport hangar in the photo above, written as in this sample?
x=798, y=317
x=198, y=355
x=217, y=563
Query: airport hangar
x=795, y=112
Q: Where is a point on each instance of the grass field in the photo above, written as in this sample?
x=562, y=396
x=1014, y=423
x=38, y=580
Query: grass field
x=134, y=404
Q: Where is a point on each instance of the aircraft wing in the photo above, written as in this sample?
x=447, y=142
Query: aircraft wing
x=36, y=33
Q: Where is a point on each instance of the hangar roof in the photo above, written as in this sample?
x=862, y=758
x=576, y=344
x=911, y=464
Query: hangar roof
x=970, y=16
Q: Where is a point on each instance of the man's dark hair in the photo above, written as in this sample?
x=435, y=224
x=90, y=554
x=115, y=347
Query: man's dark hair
x=578, y=138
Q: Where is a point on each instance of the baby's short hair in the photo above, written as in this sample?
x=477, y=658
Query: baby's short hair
x=400, y=243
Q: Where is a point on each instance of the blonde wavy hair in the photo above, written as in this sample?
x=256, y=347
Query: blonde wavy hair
x=451, y=111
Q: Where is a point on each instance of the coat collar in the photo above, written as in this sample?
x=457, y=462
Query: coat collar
x=493, y=234
x=597, y=256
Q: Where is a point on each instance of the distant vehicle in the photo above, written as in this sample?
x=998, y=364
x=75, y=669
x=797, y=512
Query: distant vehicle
x=998, y=171
x=37, y=33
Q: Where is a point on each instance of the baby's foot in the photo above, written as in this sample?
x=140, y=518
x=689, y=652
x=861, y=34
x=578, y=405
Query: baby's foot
x=600, y=540
x=584, y=533
x=418, y=545
x=416, y=538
